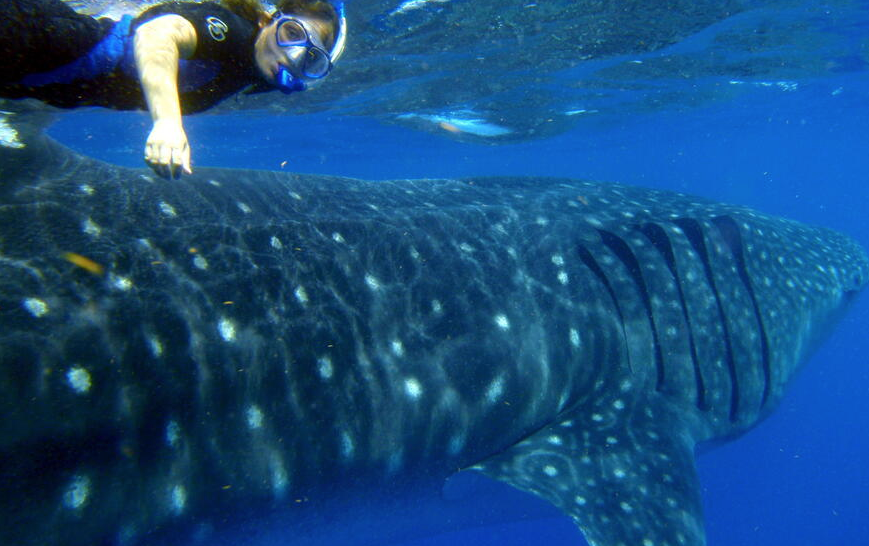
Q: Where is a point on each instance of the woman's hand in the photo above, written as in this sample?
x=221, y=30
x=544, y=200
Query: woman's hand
x=167, y=150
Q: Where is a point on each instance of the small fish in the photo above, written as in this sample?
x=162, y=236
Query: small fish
x=83, y=262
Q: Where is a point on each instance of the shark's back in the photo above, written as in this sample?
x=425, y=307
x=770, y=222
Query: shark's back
x=180, y=347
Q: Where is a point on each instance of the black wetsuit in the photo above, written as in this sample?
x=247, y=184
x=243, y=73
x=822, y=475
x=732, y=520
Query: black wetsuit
x=66, y=59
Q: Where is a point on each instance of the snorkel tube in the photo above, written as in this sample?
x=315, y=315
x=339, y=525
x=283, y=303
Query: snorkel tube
x=288, y=83
x=341, y=38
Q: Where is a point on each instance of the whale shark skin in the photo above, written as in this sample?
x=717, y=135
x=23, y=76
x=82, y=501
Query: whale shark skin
x=185, y=351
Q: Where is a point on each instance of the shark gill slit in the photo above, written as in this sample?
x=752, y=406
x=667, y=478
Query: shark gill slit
x=694, y=233
x=659, y=239
x=729, y=230
x=595, y=268
x=620, y=248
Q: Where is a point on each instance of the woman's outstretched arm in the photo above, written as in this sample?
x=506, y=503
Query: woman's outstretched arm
x=159, y=44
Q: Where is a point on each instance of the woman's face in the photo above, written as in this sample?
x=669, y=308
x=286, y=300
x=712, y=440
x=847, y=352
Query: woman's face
x=269, y=55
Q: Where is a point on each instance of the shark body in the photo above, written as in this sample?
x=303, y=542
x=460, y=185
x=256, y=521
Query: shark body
x=174, y=350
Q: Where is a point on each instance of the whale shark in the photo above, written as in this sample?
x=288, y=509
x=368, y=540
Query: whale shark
x=187, y=351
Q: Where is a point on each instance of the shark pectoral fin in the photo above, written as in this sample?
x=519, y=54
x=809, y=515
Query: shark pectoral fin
x=623, y=484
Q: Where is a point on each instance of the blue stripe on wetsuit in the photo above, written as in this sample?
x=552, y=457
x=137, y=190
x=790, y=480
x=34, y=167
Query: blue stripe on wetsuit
x=102, y=59
x=114, y=50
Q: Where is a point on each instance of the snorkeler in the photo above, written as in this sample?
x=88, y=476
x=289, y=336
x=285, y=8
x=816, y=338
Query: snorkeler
x=174, y=58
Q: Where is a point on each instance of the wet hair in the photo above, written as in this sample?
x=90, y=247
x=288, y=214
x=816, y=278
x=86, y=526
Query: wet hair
x=253, y=10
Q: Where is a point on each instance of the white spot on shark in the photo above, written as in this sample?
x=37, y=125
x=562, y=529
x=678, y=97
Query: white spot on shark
x=227, y=329
x=173, y=433
x=397, y=347
x=347, y=446
x=178, y=499
x=325, y=368
x=167, y=209
x=155, y=346
x=495, y=390
x=90, y=227
x=200, y=262
x=77, y=492
x=456, y=444
x=502, y=322
x=254, y=417
x=550, y=471
x=121, y=283
x=79, y=379
x=243, y=207
x=276, y=243
x=574, y=337
x=301, y=295
x=593, y=221
x=337, y=237
x=280, y=480
x=372, y=282
x=412, y=388
x=36, y=307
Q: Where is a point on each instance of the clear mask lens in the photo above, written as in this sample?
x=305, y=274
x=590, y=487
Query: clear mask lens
x=291, y=33
x=316, y=63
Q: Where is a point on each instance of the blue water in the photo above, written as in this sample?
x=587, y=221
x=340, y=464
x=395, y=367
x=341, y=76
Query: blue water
x=802, y=476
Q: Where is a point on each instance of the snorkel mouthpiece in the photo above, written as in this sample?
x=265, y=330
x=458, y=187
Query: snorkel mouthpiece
x=286, y=82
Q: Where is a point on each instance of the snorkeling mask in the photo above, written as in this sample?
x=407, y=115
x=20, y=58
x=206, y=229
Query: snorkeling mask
x=316, y=63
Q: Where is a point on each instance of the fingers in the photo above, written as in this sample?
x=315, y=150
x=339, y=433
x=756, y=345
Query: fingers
x=180, y=161
x=152, y=158
x=168, y=161
x=167, y=150
x=185, y=160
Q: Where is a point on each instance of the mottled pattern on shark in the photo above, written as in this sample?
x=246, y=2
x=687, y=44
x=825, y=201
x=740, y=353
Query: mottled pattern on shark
x=172, y=350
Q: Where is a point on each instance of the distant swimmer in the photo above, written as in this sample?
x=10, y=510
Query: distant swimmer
x=174, y=58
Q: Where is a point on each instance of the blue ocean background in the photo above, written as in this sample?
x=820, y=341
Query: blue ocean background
x=796, y=145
